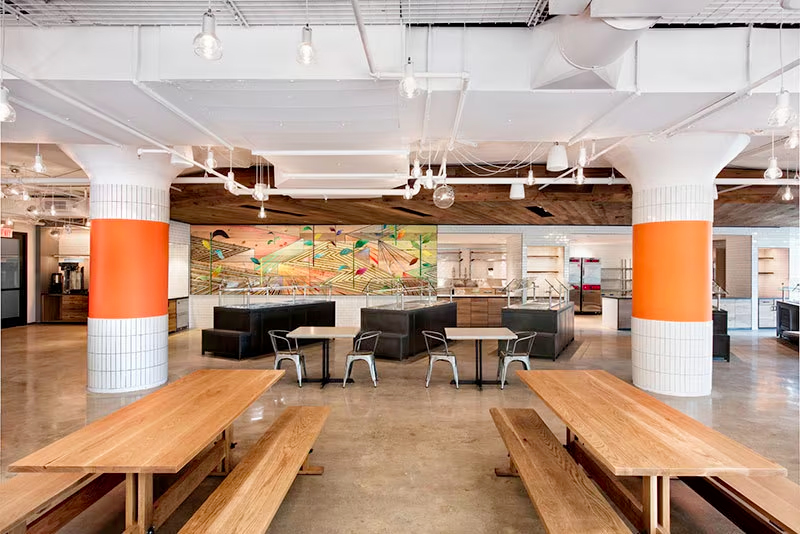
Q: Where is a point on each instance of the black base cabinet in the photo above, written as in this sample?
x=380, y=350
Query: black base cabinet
x=788, y=320
x=402, y=326
x=721, y=349
x=555, y=328
x=242, y=332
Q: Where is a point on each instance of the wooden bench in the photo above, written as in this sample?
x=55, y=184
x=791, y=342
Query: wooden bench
x=45, y=502
x=564, y=497
x=754, y=504
x=249, y=497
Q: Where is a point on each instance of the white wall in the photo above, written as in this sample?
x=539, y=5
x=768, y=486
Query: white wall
x=179, y=259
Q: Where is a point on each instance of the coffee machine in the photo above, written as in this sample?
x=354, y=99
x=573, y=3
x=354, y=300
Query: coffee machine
x=56, y=283
x=73, y=277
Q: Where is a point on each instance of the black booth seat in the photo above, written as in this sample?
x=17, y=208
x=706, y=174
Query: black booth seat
x=243, y=332
x=554, y=327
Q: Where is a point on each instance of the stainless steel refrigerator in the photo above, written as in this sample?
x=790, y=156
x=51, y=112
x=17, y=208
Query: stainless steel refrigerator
x=584, y=278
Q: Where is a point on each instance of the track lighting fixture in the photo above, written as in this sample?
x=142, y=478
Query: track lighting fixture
x=211, y=163
x=7, y=111
x=38, y=162
x=579, y=178
x=305, y=50
x=416, y=172
x=557, y=158
x=517, y=192
x=408, y=84
x=206, y=43
x=582, y=158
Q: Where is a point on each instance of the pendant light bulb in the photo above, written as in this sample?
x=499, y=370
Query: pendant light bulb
x=579, y=178
x=25, y=195
x=408, y=84
x=206, y=43
x=7, y=111
x=305, y=50
x=211, y=163
x=260, y=192
x=557, y=158
x=531, y=179
x=9, y=223
x=787, y=194
x=444, y=196
x=773, y=172
x=262, y=213
x=416, y=172
x=783, y=113
x=793, y=141
x=38, y=164
x=53, y=209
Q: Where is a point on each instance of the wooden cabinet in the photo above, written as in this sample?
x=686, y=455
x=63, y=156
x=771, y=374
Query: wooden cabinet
x=65, y=308
x=480, y=311
x=178, y=314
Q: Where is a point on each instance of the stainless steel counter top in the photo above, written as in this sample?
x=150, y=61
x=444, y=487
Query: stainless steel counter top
x=408, y=306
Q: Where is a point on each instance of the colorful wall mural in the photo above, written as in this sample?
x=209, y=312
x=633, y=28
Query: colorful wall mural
x=347, y=258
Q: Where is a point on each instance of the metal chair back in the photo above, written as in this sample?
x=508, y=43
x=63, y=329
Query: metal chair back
x=367, y=341
x=523, y=344
x=281, y=343
x=432, y=338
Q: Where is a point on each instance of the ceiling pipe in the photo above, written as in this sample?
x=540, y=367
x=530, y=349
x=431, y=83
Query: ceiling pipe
x=376, y=152
x=724, y=102
x=362, y=31
x=594, y=122
x=137, y=39
x=114, y=122
x=19, y=13
x=236, y=13
x=69, y=124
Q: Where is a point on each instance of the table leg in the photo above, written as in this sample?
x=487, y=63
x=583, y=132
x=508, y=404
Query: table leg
x=478, y=363
x=131, y=480
x=325, y=362
x=664, y=504
x=650, y=504
x=227, y=436
x=144, y=505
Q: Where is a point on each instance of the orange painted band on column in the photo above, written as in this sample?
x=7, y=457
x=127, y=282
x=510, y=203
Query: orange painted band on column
x=672, y=271
x=129, y=263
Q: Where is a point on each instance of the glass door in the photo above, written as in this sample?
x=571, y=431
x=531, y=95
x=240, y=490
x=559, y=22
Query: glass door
x=13, y=280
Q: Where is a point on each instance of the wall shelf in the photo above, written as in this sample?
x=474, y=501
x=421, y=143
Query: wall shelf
x=766, y=258
x=543, y=272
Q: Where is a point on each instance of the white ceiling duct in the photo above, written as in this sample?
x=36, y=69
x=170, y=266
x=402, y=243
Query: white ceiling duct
x=579, y=51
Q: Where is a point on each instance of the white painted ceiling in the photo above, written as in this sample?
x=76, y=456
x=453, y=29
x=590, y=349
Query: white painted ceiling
x=257, y=98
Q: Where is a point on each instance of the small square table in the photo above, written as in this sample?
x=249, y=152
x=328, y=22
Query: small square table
x=325, y=334
x=478, y=335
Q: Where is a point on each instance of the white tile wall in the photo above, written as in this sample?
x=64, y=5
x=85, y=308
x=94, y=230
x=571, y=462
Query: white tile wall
x=126, y=354
x=672, y=358
x=769, y=285
x=738, y=265
x=688, y=202
x=179, y=259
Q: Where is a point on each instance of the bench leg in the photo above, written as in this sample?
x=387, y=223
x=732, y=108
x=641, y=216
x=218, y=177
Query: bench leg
x=655, y=504
x=144, y=505
x=130, y=499
x=663, y=504
x=510, y=471
x=226, y=465
x=19, y=528
x=308, y=469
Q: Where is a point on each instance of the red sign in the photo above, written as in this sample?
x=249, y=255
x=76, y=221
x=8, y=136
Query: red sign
x=6, y=232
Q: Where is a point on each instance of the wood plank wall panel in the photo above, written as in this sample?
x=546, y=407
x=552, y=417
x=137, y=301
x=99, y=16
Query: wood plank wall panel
x=600, y=205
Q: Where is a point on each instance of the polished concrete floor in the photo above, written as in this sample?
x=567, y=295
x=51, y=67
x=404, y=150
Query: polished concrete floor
x=399, y=458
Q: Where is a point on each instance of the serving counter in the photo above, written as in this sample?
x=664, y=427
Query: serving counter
x=617, y=312
x=64, y=308
x=243, y=331
x=554, y=326
x=402, y=325
x=788, y=319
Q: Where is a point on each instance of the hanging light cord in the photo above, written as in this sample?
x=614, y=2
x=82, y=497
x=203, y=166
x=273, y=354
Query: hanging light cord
x=780, y=49
x=306, y=13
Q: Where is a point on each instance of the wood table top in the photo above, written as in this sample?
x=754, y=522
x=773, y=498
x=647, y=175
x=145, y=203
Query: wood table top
x=324, y=332
x=634, y=434
x=479, y=333
x=159, y=433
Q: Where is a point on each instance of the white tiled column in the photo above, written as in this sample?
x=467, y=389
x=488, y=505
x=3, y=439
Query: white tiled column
x=672, y=181
x=127, y=350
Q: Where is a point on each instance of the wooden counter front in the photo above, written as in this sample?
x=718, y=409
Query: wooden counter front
x=65, y=308
x=480, y=310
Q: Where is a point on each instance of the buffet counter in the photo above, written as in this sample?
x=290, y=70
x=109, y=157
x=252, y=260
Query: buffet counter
x=243, y=331
x=401, y=325
x=479, y=310
x=788, y=319
x=554, y=326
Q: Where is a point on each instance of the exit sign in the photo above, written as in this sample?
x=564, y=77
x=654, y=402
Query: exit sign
x=6, y=232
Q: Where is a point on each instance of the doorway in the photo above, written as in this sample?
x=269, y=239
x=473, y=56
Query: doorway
x=14, y=280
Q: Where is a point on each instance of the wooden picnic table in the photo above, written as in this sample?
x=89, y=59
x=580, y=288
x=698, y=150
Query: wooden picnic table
x=631, y=433
x=167, y=431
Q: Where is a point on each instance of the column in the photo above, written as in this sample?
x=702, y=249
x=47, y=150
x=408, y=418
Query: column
x=129, y=260
x=673, y=210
